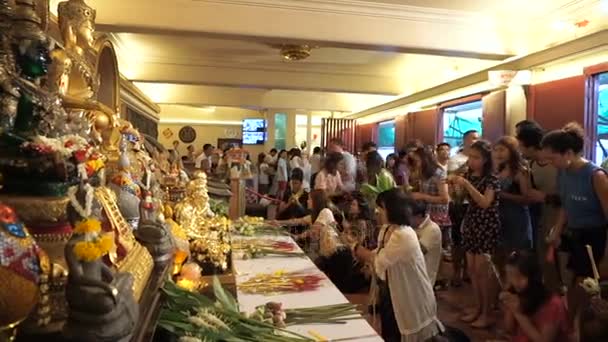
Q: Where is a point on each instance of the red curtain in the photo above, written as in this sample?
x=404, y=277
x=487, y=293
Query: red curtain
x=364, y=134
x=343, y=129
x=494, y=115
x=554, y=104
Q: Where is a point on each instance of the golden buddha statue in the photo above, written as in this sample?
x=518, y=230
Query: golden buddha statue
x=192, y=211
x=182, y=248
x=77, y=25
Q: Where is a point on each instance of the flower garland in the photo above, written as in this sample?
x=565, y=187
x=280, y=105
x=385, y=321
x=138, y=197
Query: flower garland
x=95, y=244
x=88, y=200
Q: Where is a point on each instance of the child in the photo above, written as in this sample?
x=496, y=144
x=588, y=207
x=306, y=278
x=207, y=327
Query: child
x=532, y=312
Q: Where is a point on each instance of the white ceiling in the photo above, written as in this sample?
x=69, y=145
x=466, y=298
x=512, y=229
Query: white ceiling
x=225, y=52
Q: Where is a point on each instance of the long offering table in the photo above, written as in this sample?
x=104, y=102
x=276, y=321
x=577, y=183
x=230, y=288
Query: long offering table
x=327, y=294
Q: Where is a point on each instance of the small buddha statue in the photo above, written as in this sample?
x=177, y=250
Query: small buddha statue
x=153, y=232
x=127, y=191
x=102, y=304
x=194, y=208
x=182, y=247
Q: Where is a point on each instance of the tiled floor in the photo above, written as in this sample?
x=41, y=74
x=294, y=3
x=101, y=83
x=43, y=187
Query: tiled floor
x=450, y=304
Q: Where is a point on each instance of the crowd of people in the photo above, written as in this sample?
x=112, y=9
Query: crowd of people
x=504, y=214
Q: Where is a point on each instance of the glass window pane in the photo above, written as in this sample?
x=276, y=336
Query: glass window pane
x=316, y=121
x=386, y=134
x=301, y=120
x=458, y=120
x=280, y=130
x=315, y=137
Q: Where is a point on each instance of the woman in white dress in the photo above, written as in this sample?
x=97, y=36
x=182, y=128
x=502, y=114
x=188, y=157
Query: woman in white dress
x=408, y=309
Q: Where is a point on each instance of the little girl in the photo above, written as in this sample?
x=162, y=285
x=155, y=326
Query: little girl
x=480, y=227
x=532, y=313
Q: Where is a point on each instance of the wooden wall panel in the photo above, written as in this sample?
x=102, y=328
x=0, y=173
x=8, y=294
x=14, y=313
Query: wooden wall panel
x=364, y=134
x=494, y=115
x=338, y=128
x=400, y=131
x=554, y=104
x=424, y=126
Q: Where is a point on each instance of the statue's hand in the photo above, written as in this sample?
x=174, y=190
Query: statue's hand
x=9, y=88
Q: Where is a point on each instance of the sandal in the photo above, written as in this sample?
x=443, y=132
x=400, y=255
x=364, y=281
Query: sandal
x=470, y=317
x=481, y=324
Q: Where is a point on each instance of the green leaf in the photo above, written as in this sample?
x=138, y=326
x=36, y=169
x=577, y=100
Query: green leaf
x=369, y=190
x=223, y=297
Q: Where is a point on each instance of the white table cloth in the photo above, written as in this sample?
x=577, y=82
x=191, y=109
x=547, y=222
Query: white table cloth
x=327, y=294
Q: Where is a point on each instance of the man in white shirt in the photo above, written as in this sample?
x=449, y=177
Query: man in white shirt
x=315, y=161
x=429, y=235
x=348, y=171
x=203, y=161
x=460, y=159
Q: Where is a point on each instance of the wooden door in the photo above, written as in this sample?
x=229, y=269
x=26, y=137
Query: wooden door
x=556, y=103
x=400, y=132
x=424, y=126
x=494, y=115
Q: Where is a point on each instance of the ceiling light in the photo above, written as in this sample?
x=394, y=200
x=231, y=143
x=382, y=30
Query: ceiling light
x=295, y=52
x=208, y=109
x=559, y=25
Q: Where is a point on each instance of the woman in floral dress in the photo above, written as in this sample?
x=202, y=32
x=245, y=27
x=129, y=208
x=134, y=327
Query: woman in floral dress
x=480, y=227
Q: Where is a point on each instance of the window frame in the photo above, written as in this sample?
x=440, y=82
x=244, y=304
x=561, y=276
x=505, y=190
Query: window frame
x=591, y=106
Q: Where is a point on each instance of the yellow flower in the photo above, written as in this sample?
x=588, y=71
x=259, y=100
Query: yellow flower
x=88, y=226
x=86, y=251
x=95, y=164
x=93, y=250
x=105, y=243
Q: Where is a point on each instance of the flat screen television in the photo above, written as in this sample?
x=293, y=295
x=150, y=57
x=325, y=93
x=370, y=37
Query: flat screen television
x=254, y=131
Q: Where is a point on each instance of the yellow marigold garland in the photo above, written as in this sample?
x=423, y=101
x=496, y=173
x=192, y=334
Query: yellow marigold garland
x=87, y=226
x=93, y=250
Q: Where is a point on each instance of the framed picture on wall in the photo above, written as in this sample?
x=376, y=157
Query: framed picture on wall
x=223, y=144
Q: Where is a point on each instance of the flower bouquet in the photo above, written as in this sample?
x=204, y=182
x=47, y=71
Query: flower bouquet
x=252, y=251
x=330, y=314
x=281, y=282
x=249, y=226
x=195, y=318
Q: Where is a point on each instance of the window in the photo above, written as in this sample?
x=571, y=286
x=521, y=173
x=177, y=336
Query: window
x=601, y=110
x=459, y=119
x=386, y=138
x=301, y=129
x=280, y=131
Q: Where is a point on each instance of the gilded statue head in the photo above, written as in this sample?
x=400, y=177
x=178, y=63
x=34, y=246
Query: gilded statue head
x=197, y=187
x=77, y=24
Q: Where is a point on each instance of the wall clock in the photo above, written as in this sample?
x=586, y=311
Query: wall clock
x=231, y=133
x=187, y=134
